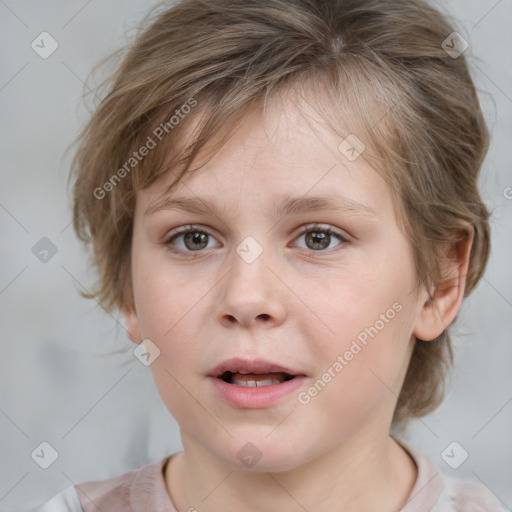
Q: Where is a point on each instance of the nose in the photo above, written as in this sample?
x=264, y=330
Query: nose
x=251, y=295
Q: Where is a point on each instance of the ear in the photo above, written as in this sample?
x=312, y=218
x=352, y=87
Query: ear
x=445, y=298
x=131, y=322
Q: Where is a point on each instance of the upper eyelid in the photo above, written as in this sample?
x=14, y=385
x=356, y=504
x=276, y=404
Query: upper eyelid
x=185, y=229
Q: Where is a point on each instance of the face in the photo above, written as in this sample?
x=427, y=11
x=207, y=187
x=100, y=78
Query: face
x=282, y=320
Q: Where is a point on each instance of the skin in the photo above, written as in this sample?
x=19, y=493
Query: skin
x=295, y=305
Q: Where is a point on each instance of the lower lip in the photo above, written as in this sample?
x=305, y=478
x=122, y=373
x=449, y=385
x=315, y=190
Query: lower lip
x=255, y=398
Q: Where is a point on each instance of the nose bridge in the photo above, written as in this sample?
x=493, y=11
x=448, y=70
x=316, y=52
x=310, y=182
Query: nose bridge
x=250, y=291
x=251, y=260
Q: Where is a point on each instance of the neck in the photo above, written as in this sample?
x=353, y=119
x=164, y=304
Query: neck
x=370, y=474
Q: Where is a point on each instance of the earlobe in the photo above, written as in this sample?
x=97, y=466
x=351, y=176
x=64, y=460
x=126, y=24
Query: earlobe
x=131, y=322
x=441, y=306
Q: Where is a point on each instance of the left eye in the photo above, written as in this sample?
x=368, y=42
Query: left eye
x=319, y=239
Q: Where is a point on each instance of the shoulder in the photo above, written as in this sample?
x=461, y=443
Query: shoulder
x=437, y=492
x=138, y=490
x=65, y=501
x=135, y=491
x=470, y=496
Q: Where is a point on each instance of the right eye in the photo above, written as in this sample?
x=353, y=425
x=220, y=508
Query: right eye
x=188, y=239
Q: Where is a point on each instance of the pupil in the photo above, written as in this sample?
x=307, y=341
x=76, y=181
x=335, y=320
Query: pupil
x=318, y=239
x=196, y=238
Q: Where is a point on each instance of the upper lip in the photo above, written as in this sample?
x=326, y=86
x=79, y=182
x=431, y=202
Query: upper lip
x=247, y=365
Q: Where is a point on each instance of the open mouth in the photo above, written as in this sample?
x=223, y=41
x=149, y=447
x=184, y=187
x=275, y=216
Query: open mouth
x=255, y=380
x=255, y=383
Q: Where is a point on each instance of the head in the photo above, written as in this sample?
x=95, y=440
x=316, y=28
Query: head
x=244, y=106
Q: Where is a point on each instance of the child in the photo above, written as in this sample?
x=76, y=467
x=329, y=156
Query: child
x=281, y=197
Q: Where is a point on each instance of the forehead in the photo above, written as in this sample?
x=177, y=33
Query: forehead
x=286, y=150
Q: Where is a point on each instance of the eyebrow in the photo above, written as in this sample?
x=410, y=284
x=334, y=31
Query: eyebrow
x=286, y=206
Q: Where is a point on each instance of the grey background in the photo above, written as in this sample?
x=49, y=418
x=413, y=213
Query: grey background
x=68, y=375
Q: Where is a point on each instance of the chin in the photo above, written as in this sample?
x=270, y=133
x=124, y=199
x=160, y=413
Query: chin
x=258, y=454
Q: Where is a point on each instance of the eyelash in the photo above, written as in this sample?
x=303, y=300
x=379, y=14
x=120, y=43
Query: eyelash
x=195, y=229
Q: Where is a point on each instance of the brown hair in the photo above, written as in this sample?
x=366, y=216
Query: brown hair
x=381, y=63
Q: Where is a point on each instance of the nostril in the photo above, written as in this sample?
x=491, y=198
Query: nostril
x=264, y=316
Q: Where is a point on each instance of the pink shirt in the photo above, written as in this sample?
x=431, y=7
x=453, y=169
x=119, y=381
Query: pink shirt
x=144, y=490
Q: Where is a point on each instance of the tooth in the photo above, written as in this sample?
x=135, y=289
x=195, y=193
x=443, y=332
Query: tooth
x=255, y=384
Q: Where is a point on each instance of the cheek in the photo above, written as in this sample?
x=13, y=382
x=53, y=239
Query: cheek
x=369, y=322
x=169, y=310
x=357, y=381
x=349, y=303
x=173, y=385
x=163, y=299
